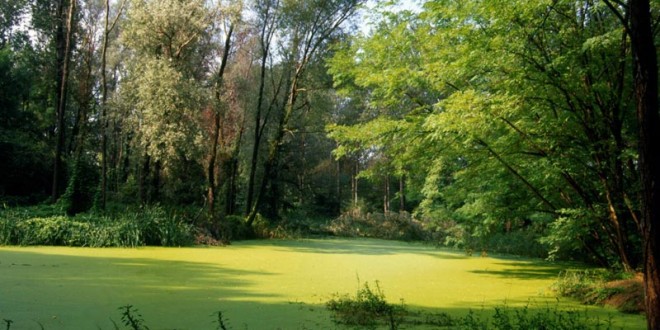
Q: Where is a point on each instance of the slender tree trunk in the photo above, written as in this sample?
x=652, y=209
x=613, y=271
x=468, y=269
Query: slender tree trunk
x=104, y=100
x=338, y=186
x=63, y=44
x=155, y=182
x=143, y=175
x=211, y=170
x=104, y=111
x=402, y=194
x=265, y=40
x=645, y=71
x=354, y=183
x=386, y=195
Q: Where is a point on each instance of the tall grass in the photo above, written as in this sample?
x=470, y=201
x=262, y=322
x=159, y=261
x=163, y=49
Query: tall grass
x=146, y=226
x=369, y=309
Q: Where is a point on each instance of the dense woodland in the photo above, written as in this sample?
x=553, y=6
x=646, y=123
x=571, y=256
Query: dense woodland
x=519, y=125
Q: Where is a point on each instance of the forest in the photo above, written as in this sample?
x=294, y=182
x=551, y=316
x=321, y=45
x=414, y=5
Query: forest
x=519, y=127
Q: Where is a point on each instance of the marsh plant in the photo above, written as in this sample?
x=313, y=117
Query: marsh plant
x=151, y=225
x=368, y=308
x=131, y=318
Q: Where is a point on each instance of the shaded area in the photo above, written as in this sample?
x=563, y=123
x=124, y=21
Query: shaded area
x=366, y=246
x=523, y=270
x=77, y=292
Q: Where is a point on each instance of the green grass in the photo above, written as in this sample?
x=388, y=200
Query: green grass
x=261, y=284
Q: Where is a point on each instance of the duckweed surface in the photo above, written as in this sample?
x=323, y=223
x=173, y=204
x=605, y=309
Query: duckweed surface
x=261, y=284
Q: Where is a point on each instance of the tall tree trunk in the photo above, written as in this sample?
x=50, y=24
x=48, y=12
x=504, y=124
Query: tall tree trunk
x=211, y=170
x=63, y=44
x=267, y=31
x=645, y=70
x=104, y=111
x=107, y=28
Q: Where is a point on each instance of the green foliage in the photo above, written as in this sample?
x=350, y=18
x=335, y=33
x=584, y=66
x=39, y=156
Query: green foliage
x=149, y=226
x=467, y=97
x=222, y=321
x=81, y=189
x=132, y=318
x=571, y=231
x=620, y=290
x=398, y=226
x=232, y=227
x=367, y=309
x=550, y=318
x=524, y=242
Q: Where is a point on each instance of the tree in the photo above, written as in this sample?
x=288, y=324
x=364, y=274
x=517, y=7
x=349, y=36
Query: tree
x=64, y=46
x=107, y=29
x=267, y=17
x=232, y=19
x=309, y=26
x=482, y=88
x=163, y=88
x=636, y=18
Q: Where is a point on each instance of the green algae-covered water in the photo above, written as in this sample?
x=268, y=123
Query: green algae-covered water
x=260, y=284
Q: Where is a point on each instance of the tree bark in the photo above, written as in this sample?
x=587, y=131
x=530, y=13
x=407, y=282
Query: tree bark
x=645, y=71
x=107, y=28
x=63, y=44
x=211, y=170
x=267, y=31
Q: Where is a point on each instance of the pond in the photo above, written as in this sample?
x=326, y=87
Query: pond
x=275, y=284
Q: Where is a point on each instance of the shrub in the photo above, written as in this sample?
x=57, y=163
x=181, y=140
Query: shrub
x=368, y=308
x=398, y=226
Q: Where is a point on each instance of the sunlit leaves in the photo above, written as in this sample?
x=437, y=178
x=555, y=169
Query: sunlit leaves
x=522, y=103
x=165, y=109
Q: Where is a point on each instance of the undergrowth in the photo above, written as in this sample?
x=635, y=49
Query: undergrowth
x=141, y=226
x=392, y=225
x=369, y=309
x=620, y=290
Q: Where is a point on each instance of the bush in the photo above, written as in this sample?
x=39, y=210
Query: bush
x=367, y=309
x=396, y=226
